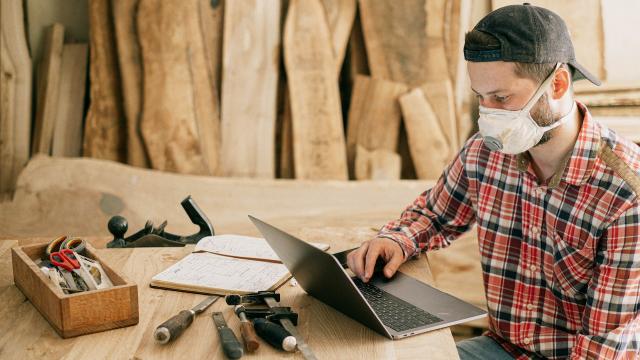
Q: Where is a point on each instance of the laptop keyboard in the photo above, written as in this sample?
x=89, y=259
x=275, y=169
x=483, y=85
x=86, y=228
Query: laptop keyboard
x=393, y=311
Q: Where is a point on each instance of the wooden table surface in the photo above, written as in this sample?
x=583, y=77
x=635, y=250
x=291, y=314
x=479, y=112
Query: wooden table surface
x=25, y=334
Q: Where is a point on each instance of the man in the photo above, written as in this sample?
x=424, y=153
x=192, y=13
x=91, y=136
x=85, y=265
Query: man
x=554, y=195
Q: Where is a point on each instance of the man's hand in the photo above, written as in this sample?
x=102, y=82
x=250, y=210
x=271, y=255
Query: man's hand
x=363, y=260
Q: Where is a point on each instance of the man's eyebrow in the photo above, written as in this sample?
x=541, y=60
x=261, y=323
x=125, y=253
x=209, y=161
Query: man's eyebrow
x=490, y=92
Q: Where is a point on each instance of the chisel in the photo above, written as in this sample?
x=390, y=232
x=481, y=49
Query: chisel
x=228, y=340
x=172, y=328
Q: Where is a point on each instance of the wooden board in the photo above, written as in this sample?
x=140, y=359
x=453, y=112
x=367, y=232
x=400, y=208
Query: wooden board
x=211, y=21
x=15, y=52
x=67, y=134
x=340, y=15
x=318, y=135
x=374, y=119
x=440, y=96
x=47, y=90
x=180, y=119
x=358, y=63
x=105, y=125
x=584, y=21
x=621, y=49
x=427, y=142
x=250, y=67
x=130, y=63
x=396, y=40
x=379, y=164
x=7, y=122
x=287, y=168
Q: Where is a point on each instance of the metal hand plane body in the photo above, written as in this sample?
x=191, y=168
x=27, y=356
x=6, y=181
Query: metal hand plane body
x=151, y=236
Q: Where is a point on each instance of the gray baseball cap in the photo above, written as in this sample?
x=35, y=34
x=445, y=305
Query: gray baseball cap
x=528, y=34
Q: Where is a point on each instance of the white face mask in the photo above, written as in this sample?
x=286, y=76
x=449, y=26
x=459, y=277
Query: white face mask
x=515, y=131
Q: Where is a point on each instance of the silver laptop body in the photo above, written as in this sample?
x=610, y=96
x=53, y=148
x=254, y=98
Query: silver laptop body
x=321, y=275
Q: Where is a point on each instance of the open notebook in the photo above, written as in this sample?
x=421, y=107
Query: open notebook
x=227, y=264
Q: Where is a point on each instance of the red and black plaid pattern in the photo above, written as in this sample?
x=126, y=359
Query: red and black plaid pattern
x=560, y=260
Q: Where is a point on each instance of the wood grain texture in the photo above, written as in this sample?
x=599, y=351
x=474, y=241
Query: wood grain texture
x=180, y=119
x=379, y=164
x=427, y=142
x=211, y=22
x=130, y=63
x=396, y=39
x=358, y=63
x=7, y=119
x=249, y=89
x=318, y=135
x=16, y=56
x=105, y=125
x=374, y=117
x=440, y=96
x=340, y=15
x=47, y=89
x=67, y=134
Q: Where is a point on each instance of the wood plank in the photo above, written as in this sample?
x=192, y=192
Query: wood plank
x=180, y=123
x=47, y=89
x=318, y=135
x=374, y=118
x=428, y=144
x=340, y=15
x=7, y=119
x=211, y=21
x=584, y=21
x=67, y=135
x=15, y=44
x=440, y=96
x=250, y=67
x=399, y=54
x=130, y=63
x=287, y=167
x=379, y=164
x=358, y=63
x=105, y=125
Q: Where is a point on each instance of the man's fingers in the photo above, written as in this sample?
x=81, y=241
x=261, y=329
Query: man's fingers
x=355, y=259
x=372, y=256
x=393, y=264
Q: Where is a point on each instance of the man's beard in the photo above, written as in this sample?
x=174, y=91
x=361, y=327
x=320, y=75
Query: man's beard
x=543, y=116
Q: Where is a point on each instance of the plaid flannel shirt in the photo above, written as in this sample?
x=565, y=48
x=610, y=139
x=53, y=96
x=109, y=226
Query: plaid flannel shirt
x=561, y=259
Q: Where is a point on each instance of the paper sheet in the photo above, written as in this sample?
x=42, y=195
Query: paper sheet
x=198, y=271
x=242, y=246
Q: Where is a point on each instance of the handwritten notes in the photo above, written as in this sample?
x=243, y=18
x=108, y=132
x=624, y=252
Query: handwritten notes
x=211, y=273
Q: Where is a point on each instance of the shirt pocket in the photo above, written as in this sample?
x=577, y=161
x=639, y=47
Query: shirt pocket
x=572, y=270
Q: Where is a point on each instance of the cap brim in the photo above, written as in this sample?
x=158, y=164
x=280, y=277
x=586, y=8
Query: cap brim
x=582, y=73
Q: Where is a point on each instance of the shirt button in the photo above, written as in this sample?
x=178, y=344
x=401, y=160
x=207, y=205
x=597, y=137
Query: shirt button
x=527, y=341
x=535, y=231
x=529, y=306
x=533, y=268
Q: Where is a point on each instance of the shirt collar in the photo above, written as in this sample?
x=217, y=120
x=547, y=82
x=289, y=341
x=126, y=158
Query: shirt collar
x=578, y=166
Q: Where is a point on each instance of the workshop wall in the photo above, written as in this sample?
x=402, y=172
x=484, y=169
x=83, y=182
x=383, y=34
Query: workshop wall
x=318, y=89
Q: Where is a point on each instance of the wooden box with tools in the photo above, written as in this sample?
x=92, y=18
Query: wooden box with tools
x=79, y=313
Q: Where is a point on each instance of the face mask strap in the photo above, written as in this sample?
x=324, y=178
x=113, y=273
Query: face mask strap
x=541, y=89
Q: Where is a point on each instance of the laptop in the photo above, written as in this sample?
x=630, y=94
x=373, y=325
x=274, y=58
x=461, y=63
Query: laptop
x=396, y=308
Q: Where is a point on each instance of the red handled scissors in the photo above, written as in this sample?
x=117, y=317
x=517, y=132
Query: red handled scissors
x=66, y=259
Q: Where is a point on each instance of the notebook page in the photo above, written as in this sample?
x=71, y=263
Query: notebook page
x=242, y=246
x=210, y=271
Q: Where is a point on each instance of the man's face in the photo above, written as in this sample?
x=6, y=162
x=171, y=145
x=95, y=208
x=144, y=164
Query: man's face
x=497, y=86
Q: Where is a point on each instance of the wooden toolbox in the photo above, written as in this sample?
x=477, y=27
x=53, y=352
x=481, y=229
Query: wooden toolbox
x=80, y=313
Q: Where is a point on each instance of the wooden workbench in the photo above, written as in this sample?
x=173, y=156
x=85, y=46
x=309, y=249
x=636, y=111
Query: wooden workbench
x=24, y=333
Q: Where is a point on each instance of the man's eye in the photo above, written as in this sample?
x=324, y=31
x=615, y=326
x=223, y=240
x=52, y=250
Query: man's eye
x=501, y=99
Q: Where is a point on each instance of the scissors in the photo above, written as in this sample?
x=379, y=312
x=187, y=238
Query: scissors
x=65, y=259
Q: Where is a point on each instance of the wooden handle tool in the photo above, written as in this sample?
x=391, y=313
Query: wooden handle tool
x=230, y=344
x=172, y=328
x=246, y=329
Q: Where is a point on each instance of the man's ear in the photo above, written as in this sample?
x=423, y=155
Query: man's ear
x=561, y=83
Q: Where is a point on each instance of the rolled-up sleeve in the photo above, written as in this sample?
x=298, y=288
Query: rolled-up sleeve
x=437, y=216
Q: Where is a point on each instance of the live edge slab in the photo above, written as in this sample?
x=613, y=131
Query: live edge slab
x=25, y=334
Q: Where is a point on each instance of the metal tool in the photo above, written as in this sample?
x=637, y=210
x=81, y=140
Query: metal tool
x=65, y=242
x=230, y=344
x=247, y=330
x=151, y=236
x=173, y=328
x=66, y=260
x=275, y=334
x=271, y=299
